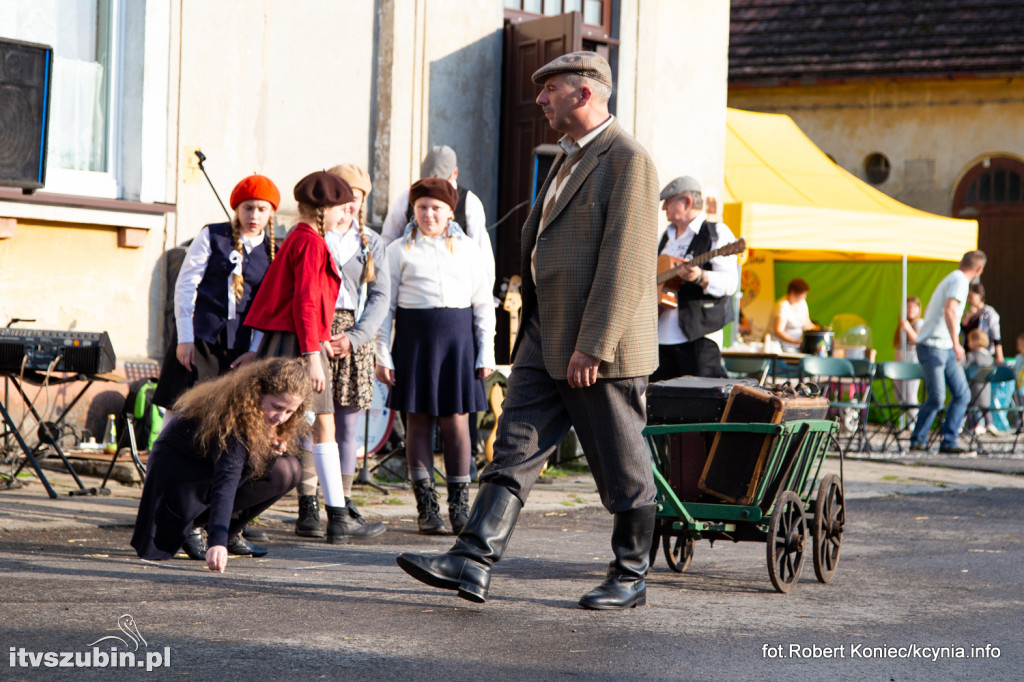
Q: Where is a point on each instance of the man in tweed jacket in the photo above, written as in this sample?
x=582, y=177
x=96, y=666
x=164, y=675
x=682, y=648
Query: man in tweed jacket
x=587, y=343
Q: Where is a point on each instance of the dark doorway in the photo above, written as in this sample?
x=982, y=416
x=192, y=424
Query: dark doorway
x=528, y=45
x=992, y=193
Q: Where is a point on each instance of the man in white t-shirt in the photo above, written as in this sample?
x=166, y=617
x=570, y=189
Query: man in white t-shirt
x=940, y=353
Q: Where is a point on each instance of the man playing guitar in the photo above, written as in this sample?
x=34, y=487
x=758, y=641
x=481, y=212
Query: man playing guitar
x=690, y=335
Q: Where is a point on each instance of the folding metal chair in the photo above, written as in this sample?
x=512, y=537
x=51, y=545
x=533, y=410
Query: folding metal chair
x=981, y=378
x=895, y=408
x=738, y=368
x=848, y=389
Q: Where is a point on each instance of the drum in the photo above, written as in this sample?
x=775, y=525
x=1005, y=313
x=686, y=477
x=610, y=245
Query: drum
x=818, y=342
x=375, y=422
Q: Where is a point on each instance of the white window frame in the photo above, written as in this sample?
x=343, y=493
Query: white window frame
x=136, y=145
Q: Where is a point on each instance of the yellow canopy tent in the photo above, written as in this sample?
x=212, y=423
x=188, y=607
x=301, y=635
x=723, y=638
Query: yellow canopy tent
x=786, y=197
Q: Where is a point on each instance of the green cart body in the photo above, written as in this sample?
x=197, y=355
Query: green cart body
x=789, y=495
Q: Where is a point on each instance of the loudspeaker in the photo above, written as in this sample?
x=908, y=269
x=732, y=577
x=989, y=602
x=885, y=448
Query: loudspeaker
x=25, y=76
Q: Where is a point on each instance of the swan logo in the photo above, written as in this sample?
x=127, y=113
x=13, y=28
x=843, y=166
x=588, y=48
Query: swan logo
x=118, y=651
x=125, y=624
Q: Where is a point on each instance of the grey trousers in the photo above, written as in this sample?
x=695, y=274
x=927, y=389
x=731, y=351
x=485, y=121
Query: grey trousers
x=608, y=417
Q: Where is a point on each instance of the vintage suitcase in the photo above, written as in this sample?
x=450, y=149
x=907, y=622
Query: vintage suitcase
x=736, y=461
x=690, y=400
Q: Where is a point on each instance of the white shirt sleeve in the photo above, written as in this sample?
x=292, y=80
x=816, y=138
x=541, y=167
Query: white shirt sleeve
x=191, y=273
x=483, y=311
x=476, y=227
x=383, y=343
x=394, y=221
x=724, y=277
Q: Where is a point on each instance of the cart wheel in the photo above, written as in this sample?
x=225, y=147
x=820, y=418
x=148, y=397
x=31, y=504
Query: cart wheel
x=827, y=531
x=678, y=551
x=785, y=542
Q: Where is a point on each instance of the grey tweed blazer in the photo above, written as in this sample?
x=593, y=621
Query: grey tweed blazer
x=597, y=261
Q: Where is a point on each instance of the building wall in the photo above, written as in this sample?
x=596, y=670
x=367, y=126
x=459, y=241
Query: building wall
x=932, y=132
x=439, y=82
x=673, y=69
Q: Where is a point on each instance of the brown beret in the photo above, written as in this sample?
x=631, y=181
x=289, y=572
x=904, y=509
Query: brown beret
x=355, y=176
x=255, y=187
x=435, y=188
x=323, y=189
x=589, y=64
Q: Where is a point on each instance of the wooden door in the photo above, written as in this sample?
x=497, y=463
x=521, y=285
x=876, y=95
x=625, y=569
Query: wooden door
x=528, y=46
x=992, y=192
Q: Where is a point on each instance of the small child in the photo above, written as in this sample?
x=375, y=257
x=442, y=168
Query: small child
x=979, y=356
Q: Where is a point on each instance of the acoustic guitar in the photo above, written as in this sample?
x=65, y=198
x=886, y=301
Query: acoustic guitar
x=669, y=280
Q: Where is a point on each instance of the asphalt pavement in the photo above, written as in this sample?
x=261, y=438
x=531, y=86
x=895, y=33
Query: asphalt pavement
x=929, y=586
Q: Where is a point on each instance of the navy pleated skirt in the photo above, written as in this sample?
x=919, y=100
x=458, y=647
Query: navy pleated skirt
x=435, y=363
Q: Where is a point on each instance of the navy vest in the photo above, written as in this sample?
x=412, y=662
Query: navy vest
x=211, y=314
x=700, y=314
x=460, y=211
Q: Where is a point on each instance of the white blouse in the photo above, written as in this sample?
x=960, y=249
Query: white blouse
x=426, y=274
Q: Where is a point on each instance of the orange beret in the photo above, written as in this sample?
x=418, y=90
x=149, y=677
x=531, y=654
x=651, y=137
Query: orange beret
x=256, y=187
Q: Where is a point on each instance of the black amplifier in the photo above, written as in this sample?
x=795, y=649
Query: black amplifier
x=79, y=352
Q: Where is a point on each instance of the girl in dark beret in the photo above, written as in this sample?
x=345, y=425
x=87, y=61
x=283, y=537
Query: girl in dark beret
x=295, y=309
x=443, y=313
x=220, y=461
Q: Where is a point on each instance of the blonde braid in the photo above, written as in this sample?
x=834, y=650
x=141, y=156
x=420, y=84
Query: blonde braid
x=449, y=240
x=268, y=233
x=369, y=269
x=237, y=281
x=320, y=221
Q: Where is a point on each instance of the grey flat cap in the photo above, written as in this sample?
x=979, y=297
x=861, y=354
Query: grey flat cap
x=440, y=163
x=680, y=185
x=589, y=64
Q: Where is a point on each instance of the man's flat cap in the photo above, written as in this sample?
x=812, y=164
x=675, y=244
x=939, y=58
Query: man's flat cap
x=589, y=64
x=440, y=163
x=680, y=185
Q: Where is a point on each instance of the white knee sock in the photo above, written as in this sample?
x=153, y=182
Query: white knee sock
x=328, y=470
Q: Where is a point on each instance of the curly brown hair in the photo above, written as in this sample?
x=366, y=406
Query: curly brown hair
x=229, y=408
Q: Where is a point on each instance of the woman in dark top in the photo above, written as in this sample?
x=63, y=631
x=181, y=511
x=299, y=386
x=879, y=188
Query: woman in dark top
x=220, y=460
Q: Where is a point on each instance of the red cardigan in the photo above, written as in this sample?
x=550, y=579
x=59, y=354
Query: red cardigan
x=299, y=291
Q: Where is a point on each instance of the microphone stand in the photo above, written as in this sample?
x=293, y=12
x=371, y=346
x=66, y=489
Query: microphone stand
x=202, y=158
x=364, y=477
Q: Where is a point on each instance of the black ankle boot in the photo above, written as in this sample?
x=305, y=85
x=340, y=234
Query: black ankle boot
x=195, y=545
x=466, y=567
x=346, y=523
x=624, y=587
x=429, y=518
x=458, y=506
x=308, y=525
x=239, y=546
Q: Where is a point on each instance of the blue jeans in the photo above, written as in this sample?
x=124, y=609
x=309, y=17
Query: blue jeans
x=941, y=370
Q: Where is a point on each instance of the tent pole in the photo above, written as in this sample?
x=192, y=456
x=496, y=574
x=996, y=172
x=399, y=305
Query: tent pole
x=903, y=311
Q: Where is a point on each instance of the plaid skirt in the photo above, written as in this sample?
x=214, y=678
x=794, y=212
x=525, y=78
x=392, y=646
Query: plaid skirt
x=352, y=375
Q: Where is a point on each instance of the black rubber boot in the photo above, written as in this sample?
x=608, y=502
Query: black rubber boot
x=195, y=545
x=466, y=567
x=346, y=523
x=458, y=506
x=308, y=525
x=429, y=518
x=624, y=588
x=255, y=534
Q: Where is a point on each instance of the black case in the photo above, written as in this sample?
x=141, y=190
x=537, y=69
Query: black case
x=690, y=400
